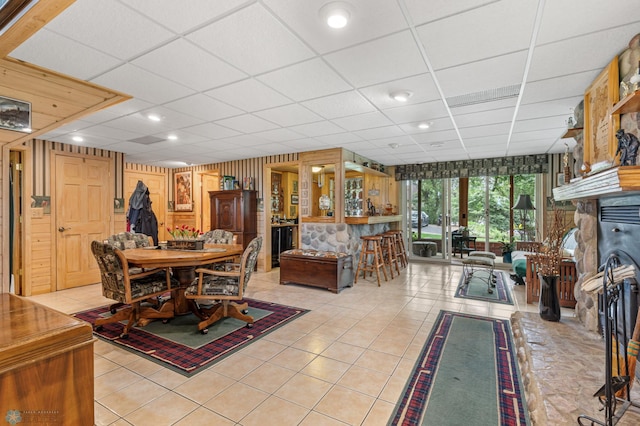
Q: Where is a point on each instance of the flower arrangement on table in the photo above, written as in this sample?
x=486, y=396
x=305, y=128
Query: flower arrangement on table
x=185, y=238
x=184, y=232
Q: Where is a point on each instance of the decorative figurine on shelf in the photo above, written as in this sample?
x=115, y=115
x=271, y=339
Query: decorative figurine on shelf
x=627, y=148
x=565, y=162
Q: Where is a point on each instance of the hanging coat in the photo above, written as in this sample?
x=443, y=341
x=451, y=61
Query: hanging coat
x=136, y=203
x=147, y=223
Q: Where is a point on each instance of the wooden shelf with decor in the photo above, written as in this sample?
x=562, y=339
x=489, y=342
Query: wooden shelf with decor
x=570, y=133
x=630, y=103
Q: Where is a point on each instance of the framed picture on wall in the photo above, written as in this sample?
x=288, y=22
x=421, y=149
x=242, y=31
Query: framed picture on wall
x=599, y=126
x=183, y=194
x=294, y=199
x=15, y=115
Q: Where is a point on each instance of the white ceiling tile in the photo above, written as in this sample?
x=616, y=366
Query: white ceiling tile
x=427, y=111
x=493, y=30
x=550, y=135
x=178, y=18
x=436, y=125
x=370, y=19
x=203, y=107
x=189, y=66
x=306, y=80
x=339, y=138
x=487, y=130
x=550, y=108
x=211, y=131
x=557, y=88
x=278, y=135
x=59, y=53
x=109, y=27
x=252, y=40
x=340, y=105
x=503, y=115
x=363, y=121
x=249, y=95
x=493, y=73
x=184, y=138
x=317, y=129
x=590, y=52
x=136, y=123
x=532, y=124
x=433, y=10
x=587, y=16
x=379, y=132
x=116, y=133
x=484, y=106
x=422, y=87
x=436, y=136
x=388, y=58
x=289, y=115
x=171, y=119
x=142, y=84
x=247, y=123
x=304, y=144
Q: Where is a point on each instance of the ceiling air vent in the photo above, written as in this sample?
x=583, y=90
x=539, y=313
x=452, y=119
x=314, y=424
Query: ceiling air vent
x=147, y=140
x=484, y=96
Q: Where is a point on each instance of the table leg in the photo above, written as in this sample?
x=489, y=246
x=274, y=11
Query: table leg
x=185, y=276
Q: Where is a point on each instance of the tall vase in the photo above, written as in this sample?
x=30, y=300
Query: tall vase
x=549, y=306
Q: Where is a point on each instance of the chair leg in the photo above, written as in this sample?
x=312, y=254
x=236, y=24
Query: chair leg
x=223, y=310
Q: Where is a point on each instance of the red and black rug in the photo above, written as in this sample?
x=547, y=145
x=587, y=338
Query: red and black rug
x=466, y=374
x=180, y=346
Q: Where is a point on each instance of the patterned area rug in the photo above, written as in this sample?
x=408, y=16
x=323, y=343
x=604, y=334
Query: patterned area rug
x=467, y=374
x=180, y=346
x=477, y=288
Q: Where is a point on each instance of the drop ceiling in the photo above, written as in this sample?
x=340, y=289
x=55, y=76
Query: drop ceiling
x=242, y=79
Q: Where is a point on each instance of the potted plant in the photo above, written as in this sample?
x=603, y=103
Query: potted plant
x=507, y=247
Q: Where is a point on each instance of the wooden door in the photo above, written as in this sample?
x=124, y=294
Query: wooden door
x=156, y=182
x=210, y=182
x=84, y=203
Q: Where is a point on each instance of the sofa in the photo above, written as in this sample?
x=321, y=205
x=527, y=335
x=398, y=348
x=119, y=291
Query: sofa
x=519, y=260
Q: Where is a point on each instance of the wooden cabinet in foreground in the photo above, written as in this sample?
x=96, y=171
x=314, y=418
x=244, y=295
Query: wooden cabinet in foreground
x=46, y=365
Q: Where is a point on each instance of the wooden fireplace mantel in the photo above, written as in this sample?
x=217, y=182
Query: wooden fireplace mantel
x=610, y=182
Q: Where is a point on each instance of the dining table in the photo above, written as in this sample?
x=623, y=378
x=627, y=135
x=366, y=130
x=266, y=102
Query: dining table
x=183, y=264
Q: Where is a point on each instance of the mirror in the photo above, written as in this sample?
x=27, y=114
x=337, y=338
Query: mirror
x=323, y=190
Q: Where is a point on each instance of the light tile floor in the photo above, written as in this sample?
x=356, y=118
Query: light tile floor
x=344, y=363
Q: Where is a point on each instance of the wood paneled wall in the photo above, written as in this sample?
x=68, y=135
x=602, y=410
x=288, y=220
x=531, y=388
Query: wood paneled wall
x=42, y=263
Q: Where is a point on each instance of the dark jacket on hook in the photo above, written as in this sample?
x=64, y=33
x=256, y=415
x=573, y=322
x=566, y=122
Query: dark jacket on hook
x=141, y=217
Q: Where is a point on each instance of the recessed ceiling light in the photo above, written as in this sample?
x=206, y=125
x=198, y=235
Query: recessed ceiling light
x=77, y=139
x=401, y=96
x=153, y=117
x=425, y=125
x=336, y=14
x=172, y=137
x=437, y=144
x=394, y=145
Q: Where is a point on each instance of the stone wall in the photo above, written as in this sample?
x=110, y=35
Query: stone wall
x=586, y=255
x=339, y=237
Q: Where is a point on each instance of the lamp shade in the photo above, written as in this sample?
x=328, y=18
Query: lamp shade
x=524, y=203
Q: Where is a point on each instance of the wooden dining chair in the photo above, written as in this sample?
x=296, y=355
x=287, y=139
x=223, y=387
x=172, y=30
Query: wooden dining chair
x=224, y=288
x=119, y=284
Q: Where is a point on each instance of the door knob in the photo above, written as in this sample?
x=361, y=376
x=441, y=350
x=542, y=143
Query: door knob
x=62, y=229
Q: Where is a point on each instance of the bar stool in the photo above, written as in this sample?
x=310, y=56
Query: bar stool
x=371, y=246
x=389, y=254
x=401, y=253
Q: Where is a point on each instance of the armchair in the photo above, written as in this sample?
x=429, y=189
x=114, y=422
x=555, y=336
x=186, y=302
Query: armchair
x=130, y=289
x=224, y=287
x=220, y=236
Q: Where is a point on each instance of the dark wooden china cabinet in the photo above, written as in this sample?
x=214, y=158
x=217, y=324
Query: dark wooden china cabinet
x=235, y=211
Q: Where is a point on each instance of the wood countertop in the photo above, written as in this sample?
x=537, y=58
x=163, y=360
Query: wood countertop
x=369, y=220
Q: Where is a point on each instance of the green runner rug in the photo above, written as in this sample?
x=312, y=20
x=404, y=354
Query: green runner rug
x=477, y=288
x=467, y=374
